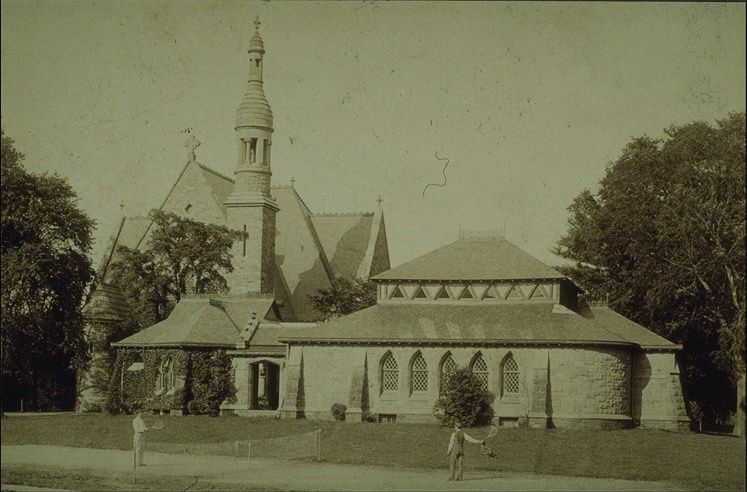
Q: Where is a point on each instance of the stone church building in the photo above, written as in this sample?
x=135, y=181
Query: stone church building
x=479, y=302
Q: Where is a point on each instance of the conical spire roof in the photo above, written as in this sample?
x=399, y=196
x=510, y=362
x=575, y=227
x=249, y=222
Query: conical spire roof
x=254, y=110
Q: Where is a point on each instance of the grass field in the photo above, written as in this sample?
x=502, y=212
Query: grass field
x=706, y=462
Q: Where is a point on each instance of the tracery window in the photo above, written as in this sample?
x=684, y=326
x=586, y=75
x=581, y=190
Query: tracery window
x=480, y=370
x=419, y=374
x=389, y=374
x=165, y=379
x=448, y=367
x=509, y=376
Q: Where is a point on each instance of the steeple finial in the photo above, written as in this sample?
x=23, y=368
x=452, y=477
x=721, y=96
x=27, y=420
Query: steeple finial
x=257, y=23
x=191, y=144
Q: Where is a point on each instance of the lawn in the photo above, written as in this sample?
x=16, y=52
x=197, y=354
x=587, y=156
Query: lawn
x=707, y=462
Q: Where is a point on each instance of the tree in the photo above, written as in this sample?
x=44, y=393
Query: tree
x=344, y=296
x=46, y=271
x=181, y=256
x=663, y=239
x=464, y=400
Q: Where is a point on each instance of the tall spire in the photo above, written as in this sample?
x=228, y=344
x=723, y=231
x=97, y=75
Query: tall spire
x=250, y=208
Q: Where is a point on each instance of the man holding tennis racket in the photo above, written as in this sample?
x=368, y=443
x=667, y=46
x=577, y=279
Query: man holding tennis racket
x=138, y=441
x=456, y=451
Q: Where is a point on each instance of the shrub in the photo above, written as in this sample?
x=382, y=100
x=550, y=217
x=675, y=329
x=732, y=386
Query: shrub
x=463, y=400
x=263, y=403
x=338, y=411
x=211, y=381
x=192, y=407
x=369, y=417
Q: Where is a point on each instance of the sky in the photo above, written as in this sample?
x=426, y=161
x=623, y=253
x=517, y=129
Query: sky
x=529, y=102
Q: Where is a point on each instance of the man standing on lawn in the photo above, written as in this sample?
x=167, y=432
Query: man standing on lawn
x=456, y=451
x=138, y=441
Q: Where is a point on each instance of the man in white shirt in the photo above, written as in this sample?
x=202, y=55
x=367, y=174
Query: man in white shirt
x=456, y=451
x=138, y=442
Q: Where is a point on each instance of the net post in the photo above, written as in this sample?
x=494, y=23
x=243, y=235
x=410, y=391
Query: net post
x=319, y=445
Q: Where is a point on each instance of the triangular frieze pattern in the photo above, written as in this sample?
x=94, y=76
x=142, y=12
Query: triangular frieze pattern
x=479, y=290
x=409, y=290
x=420, y=293
x=494, y=292
x=466, y=294
x=514, y=293
x=443, y=294
x=397, y=293
x=502, y=290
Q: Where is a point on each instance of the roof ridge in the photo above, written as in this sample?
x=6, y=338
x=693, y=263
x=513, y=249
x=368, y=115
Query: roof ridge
x=343, y=214
x=211, y=170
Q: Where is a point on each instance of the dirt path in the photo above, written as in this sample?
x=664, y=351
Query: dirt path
x=301, y=476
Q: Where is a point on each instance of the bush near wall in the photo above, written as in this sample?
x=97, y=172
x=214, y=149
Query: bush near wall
x=464, y=400
x=202, y=381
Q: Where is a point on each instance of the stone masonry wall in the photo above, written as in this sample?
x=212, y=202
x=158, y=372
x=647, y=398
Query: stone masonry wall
x=590, y=381
x=252, y=263
x=192, y=198
x=658, y=401
x=585, y=383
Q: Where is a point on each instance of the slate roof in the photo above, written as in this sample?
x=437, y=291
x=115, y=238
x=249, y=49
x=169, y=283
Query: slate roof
x=344, y=238
x=201, y=322
x=473, y=259
x=309, y=249
x=106, y=304
x=220, y=185
x=515, y=324
x=625, y=328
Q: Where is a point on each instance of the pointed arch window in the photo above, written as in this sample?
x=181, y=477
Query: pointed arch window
x=389, y=374
x=448, y=367
x=419, y=374
x=480, y=370
x=165, y=379
x=509, y=376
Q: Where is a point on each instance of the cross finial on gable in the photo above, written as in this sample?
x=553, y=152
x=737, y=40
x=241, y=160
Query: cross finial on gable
x=293, y=182
x=257, y=23
x=121, y=206
x=379, y=200
x=192, y=143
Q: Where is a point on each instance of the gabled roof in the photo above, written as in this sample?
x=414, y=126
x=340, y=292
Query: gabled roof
x=473, y=259
x=309, y=249
x=220, y=185
x=201, y=322
x=514, y=324
x=344, y=238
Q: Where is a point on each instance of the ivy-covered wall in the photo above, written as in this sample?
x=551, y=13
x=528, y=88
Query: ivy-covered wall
x=200, y=381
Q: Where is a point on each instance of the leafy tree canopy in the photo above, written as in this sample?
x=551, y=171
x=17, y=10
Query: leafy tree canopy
x=663, y=240
x=45, y=241
x=464, y=400
x=344, y=296
x=182, y=256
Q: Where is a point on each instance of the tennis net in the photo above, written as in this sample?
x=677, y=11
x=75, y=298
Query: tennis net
x=296, y=446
